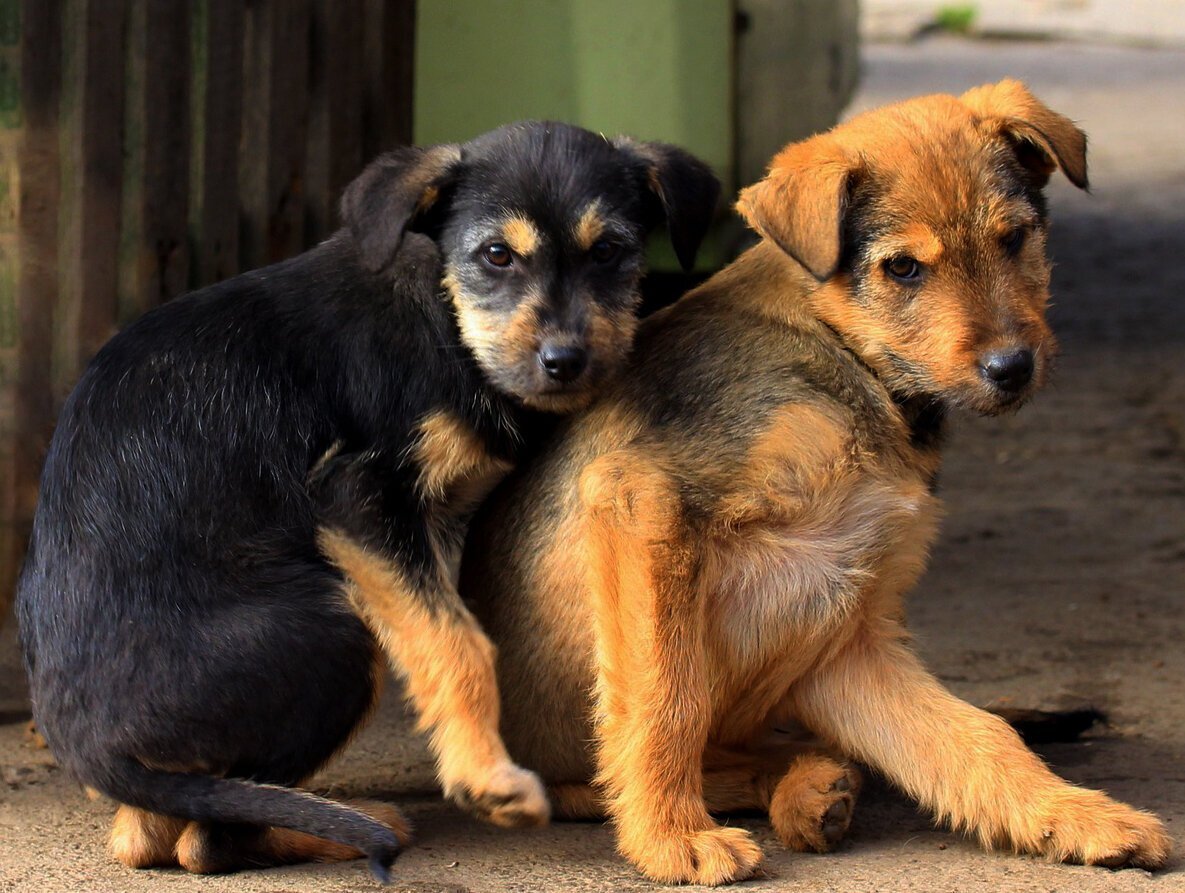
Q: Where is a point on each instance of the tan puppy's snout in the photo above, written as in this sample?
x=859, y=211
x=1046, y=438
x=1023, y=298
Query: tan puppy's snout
x=1010, y=369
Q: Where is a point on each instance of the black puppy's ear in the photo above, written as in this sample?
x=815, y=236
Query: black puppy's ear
x=393, y=190
x=685, y=187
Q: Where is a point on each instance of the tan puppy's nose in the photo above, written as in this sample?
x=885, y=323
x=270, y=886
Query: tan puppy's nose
x=1009, y=369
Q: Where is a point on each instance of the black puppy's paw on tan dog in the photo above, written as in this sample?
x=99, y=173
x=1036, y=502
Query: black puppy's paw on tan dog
x=722, y=544
x=256, y=495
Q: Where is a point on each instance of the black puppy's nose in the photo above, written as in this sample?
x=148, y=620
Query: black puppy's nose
x=1009, y=370
x=563, y=362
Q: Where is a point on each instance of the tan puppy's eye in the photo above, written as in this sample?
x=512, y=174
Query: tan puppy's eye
x=1015, y=240
x=497, y=255
x=603, y=251
x=904, y=269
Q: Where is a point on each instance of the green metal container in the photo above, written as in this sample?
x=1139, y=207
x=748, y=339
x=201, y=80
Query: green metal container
x=653, y=69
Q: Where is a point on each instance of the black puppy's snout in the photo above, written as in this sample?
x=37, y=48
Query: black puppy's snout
x=563, y=362
x=1009, y=370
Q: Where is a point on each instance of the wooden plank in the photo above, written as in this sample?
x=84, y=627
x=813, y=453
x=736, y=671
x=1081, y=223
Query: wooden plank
x=217, y=54
x=346, y=89
x=131, y=228
x=271, y=167
x=336, y=95
x=390, y=68
x=316, y=180
x=155, y=255
x=26, y=434
x=92, y=168
x=12, y=523
x=166, y=156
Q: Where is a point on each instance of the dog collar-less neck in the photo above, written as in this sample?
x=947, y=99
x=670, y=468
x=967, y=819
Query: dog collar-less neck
x=923, y=413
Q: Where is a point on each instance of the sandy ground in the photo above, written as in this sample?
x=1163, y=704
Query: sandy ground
x=1059, y=580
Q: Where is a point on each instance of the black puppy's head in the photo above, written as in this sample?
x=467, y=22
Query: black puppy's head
x=542, y=227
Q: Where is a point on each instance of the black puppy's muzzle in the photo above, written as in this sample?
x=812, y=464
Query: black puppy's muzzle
x=563, y=362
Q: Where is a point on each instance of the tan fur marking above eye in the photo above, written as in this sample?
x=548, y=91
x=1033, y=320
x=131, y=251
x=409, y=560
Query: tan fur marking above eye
x=448, y=452
x=925, y=246
x=917, y=241
x=521, y=235
x=589, y=227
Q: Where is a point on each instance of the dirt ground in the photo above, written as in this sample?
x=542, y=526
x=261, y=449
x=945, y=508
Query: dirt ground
x=1059, y=580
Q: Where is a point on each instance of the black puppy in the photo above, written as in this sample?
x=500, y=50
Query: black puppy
x=258, y=489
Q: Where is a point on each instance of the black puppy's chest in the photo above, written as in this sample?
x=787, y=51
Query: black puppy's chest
x=456, y=463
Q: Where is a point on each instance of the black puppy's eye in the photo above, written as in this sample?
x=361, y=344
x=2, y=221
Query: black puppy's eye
x=1014, y=240
x=903, y=269
x=603, y=251
x=497, y=255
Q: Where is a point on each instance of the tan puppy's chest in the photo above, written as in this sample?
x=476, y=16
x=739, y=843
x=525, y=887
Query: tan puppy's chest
x=788, y=593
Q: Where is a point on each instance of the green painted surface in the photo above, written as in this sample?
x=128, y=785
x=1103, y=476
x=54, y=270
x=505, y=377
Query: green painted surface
x=654, y=69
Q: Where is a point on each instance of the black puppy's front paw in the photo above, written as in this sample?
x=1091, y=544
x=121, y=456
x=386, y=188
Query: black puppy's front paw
x=509, y=796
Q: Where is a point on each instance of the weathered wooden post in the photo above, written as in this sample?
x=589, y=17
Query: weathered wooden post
x=152, y=146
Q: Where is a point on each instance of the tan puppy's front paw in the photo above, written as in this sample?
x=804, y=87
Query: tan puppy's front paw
x=509, y=797
x=812, y=805
x=1090, y=828
x=711, y=856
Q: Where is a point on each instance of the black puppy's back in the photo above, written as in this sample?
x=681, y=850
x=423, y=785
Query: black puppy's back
x=141, y=592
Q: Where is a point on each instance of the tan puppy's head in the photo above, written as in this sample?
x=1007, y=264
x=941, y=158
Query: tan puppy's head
x=925, y=224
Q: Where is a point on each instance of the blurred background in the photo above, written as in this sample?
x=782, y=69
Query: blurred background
x=148, y=147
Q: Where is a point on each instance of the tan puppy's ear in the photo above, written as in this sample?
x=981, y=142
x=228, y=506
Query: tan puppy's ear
x=1044, y=140
x=801, y=203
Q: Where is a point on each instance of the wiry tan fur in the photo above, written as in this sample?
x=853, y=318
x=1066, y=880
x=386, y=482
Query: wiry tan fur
x=723, y=543
x=521, y=235
x=454, y=465
x=448, y=665
x=590, y=226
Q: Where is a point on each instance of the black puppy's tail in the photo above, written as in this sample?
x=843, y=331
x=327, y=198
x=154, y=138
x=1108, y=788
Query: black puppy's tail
x=207, y=798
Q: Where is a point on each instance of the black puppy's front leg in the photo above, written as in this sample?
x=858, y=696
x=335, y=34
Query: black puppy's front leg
x=393, y=544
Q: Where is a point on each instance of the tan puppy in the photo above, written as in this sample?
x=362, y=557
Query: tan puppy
x=723, y=543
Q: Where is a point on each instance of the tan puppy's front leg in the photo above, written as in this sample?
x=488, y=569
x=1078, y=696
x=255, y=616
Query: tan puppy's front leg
x=877, y=702
x=653, y=706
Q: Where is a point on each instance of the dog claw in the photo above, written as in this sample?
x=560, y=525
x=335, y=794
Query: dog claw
x=510, y=797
